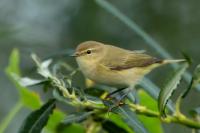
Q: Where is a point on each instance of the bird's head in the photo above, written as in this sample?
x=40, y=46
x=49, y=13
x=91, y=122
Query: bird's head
x=89, y=51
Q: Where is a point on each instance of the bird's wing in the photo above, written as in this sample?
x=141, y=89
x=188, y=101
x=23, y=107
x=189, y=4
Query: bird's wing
x=126, y=61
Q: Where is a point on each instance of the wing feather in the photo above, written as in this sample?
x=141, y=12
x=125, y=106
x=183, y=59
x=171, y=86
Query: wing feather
x=126, y=61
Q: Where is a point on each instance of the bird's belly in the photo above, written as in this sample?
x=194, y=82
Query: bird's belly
x=124, y=78
x=115, y=78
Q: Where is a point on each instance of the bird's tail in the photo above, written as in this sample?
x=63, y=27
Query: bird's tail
x=161, y=63
x=172, y=61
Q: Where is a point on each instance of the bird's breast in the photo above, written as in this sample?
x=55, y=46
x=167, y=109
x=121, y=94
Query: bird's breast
x=87, y=67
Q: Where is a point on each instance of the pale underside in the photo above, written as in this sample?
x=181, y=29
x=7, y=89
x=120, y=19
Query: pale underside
x=123, y=78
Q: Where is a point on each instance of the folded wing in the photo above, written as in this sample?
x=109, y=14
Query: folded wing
x=126, y=59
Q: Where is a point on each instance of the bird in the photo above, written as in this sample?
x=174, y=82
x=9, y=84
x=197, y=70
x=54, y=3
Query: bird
x=114, y=66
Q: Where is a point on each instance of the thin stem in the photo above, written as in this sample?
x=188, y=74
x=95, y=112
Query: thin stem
x=181, y=119
x=143, y=110
x=7, y=120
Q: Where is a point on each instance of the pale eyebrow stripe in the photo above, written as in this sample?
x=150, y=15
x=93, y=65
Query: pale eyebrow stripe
x=92, y=49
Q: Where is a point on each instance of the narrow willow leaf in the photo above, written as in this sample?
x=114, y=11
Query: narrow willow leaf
x=150, y=87
x=25, y=81
x=169, y=88
x=55, y=120
x=42, y=67
x=35, y=122
x=117, y=119
x=72, y=128
x=149, y=122
x=132, y=120
x=29, y=98
x=194, y=82
x=112, y=127
x=153, y=90
x=197, y=74
x=14, y=61
x=77, y=117
x=188, y=89
x=133, y=26
x=59, y=97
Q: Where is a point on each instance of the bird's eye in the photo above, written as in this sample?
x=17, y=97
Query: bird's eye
x=89, y=51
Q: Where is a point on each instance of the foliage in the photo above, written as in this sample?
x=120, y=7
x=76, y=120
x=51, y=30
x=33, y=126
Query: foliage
x=35, y=122
x=29, y=98
x=91, y=113
x=170, y=86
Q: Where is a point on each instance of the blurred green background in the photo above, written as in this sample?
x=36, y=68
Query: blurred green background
x=49, y=27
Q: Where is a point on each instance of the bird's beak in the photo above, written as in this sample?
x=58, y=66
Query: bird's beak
x=74, y=55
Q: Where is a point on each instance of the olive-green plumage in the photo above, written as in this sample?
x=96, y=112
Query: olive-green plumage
x=114, y=66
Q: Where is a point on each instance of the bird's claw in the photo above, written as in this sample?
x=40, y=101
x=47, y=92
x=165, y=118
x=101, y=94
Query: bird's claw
x=113, y=104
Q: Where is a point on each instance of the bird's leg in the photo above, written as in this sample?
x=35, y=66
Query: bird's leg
x=133, y=96
x=128, y=93
x=117, y=102
x=111, y=101
x=114, y=92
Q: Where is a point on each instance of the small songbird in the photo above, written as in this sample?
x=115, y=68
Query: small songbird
x=114, y=66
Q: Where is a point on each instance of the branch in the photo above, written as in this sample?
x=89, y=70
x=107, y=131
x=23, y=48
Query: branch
x=139, y=109
x=64, y=85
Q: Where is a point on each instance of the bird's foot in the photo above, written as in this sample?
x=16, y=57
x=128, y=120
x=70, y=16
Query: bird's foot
x=113, y=107
x=110, y=95
x=113, y=104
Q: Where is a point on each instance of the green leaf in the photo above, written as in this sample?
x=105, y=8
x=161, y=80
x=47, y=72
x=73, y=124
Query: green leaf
x=194, y=82
x=26, y=82
x=29, y=98
x=77, y=117
x=150, y=122
x=196, y=74
x=169, y=88
x=42, y=67
x=54, y=120
x=35, y=122
x=117, y=119
x=131, y=119
x=14, y=61
x=112, y=127
x=153, y=91
x=72, y=128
